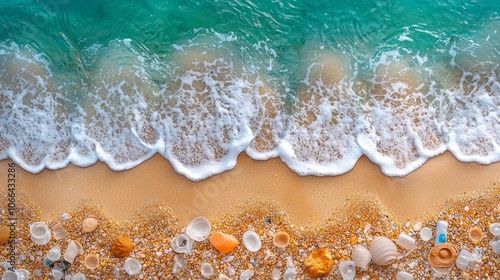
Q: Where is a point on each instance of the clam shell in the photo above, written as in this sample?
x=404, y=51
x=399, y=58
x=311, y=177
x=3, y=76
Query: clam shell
x=347, y=270
x=495, y=229
x=198, y=229
x=383, y=250
x=425, y=234
x=361, y=256
x=89, y=224
x=252, y=242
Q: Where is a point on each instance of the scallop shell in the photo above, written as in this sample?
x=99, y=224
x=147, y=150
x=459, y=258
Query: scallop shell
x=198, y=229
x=361, y=256
x=347, y=270
x=89, y=224
x=383, y=250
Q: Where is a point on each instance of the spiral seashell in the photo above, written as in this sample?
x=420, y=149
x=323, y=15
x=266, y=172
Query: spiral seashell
x=89, y=224
x=361, y=256
x=443, y=255
x=347, y=270
x=181, y=243
x=383, y=250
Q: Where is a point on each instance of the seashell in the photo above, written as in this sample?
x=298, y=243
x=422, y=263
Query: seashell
x=475, y=234
x=206, y=270
x=198, y=229
x=347, y=270
x=406, y=241
x=22, y=274
x=318, y=263
x=9, y=275
x=91, y=261
x=58, y=231
x=425, y=234
x=495, y=229
x=252, y=242
x=246, y=274
x=179, y=264
x=281, y=239
x=132, y=266
x=54, y=253
x=224, y=243
x=122, y=246
x=40, y=233
x=401, y=275
x=495, y=245
x=78, y=276
x=223, y=277
x=89, y=224
x=181, y=243
x=4, y=234
x=71, y=252
x=383, y=250
x=361, y=257
x=463, y=259
x=443, y=255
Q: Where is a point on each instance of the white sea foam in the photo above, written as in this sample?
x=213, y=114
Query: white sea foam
x=209, y=100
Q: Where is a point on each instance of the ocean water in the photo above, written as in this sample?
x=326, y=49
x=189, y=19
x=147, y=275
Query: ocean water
x=316, y=83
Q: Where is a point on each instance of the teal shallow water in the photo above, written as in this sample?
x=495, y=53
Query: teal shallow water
x=316, y=83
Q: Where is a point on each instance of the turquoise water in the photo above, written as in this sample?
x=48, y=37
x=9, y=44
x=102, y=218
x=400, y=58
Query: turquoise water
x=316, y=83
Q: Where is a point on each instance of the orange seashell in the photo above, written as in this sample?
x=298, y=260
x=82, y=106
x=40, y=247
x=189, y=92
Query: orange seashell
x=224, y=243
x=4, y=234
x=281, y=239
x=318, y=263
x=443, y=255
x=122, y=246
x=89, y=224
x=475, y=234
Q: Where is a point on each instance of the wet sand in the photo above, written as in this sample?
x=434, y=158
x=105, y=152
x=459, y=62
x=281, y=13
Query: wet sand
x=306, y=200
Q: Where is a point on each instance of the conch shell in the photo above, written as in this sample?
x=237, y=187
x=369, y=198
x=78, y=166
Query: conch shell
x=361, y=256
x=443, y=255
x=383, y=250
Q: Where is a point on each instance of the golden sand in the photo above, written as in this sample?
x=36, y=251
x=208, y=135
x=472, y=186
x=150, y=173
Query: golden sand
x=151, y=204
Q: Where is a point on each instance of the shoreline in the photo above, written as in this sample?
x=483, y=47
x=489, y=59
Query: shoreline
x=307, y=200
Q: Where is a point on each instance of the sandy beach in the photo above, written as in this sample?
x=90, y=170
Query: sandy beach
x=307, y=200
x=319, y=213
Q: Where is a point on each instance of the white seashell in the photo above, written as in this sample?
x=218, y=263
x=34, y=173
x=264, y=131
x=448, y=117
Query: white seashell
x=361, y=257
x=347, y=270
x=206, y=270
x=404, y=276
x=223, y=277
x=9, y=275
x=89, y=224
x=132, y=266
x=71, y=252
x=22, y=274
x=78, y=276
x=247, y=274
x=383, y=250
x=54, y=253
x=198, y=229
x=181, y=243
x=425, y=234
x=495, y=229
x=406, y=241
x=252, y=242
